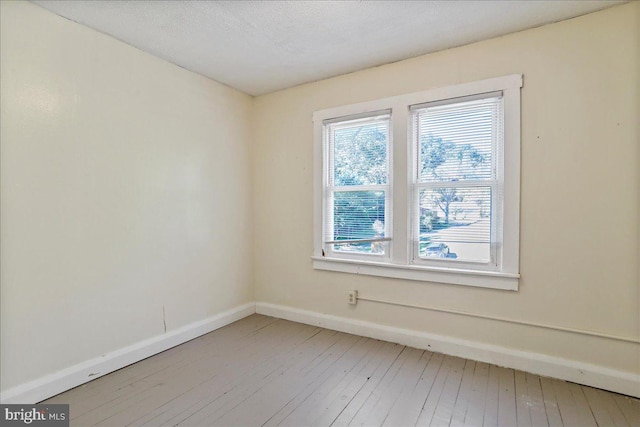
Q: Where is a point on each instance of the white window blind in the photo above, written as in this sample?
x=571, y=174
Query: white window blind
x=457, y=190
x=357, y=191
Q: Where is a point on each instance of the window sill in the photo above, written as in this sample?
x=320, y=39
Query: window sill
x=482, y=279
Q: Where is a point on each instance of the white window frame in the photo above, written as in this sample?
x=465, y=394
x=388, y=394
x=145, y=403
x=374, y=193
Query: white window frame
x=496, y=183
x=402, y=263
x=328, y=187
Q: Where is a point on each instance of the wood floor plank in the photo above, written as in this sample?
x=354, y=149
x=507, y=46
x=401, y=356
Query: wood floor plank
x=369, y=406
x=406, y=378
x=630, y=408
x=463, y=397
x=490, y=417
x=507, y=412
x=355, y=404
x=438, y=411
x=582, y=406
x=430, y=401
x=550, y=403
x=478, y=398
x=337, y=403
x=569, y=403
x=523, y=416
x=604, y=408
x=536, y=401
x=409, y=405
x=311, y=404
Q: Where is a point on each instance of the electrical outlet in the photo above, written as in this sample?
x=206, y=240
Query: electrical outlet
x=353, y=297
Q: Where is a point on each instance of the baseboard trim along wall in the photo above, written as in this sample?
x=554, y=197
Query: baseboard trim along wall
x=540, y=364
x=536, y=363
x=57, y=382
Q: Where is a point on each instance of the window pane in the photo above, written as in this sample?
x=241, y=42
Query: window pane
x=359, y=152
x=455, y=140
x=455, y=223
x=359, y=215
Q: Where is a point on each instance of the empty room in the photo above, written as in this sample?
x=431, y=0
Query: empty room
x=320, y=213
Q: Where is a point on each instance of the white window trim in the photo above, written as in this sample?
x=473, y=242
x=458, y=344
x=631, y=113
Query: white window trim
x=401, y=265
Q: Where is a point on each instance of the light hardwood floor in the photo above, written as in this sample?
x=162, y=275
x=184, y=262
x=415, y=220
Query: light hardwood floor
x=262, y=371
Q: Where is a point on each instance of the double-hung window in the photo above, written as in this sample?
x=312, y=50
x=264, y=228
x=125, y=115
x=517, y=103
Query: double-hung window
x=451, y=215
x=456, y=193
x=357, y=191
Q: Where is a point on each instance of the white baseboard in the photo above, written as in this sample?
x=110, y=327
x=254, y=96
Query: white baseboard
x=57, y=382
x=582, y=373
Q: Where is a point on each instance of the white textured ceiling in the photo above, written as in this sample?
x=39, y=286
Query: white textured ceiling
x=262, y=46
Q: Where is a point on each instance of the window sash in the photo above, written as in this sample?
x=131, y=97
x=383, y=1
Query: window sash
x=495, y=245
x=456, y=100
x=329, y=241
x=330, y=189
x=496, y=143
x=419, y=184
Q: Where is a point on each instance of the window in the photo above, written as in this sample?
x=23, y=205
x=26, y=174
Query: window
x=452, y=213
x=456, y=188
x=357, y=192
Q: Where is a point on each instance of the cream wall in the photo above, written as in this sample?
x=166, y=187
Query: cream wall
x=125, y=194
x=579, y=193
